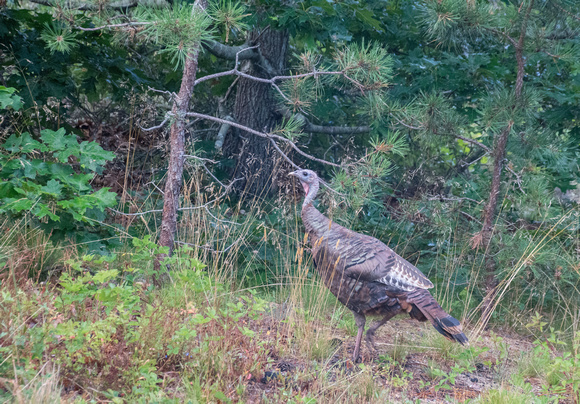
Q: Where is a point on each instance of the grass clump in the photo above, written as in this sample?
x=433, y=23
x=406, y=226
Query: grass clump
x=112, y=335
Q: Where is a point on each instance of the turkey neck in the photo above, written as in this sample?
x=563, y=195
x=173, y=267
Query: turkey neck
x=315, y=222
x=311, y=191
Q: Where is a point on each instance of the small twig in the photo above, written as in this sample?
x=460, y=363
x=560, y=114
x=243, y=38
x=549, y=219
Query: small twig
x=404, y=124
x=473, y=142
x=169, y=93
x=156, y=187
x=506, y=36
x=264, y=135
x=327, y=185
x=136, y=214
x=204, y=206
x=283, y=154
x=220, y=220
x=154, y=127
x=456, y=199
x=209, y=248
x=518, y=177
x=471, y=217
x=474, y=161
x=189, y=156
x=125, y=24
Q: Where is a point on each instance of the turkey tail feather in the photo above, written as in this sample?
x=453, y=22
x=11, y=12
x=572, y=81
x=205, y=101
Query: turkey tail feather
x=425, y=307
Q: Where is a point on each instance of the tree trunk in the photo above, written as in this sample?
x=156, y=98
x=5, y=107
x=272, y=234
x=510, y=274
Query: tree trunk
x=498, y=157
x=255, y=107
x=176, y=154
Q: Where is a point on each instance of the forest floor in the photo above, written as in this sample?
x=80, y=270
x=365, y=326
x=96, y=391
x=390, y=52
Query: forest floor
x=406, y=371
x=93, y=337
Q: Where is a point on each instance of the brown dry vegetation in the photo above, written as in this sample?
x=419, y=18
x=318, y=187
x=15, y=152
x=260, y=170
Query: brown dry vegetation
x=203, y=339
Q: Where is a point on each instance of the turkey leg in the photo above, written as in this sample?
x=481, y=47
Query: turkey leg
x=370, y=337
x=360, y=321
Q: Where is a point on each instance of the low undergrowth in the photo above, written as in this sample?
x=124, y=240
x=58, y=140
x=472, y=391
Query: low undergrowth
x=109, y=334
x=100, y=332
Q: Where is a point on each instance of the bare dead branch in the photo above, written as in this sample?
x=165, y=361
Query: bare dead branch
x=284, y=156
x=154, y=127
x=169, y=93
x=111, y=26
x=518, y=178
x=229, y=52
x=506, y=36
x=205, y=247
x=204, y=206
x=189, y=156
x=470, y=217
x=473, y=142
x=405, y=124
x=574, y=16
x=120, y=5
x=307, y=126
x=454, y=199
x=336, y=130
x=263, y=135
x=136, y=214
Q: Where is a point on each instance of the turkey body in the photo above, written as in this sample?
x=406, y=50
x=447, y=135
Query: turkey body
x=371, y=279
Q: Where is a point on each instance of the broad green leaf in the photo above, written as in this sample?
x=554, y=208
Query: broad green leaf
x=34, y=167
x=79, y=182
x=16, y=205
x=41, y=210
x=9, y=99
x=23, y=143
x=105, y=276
x=93, y=156
x=52, y=187
x=55, y=140
x=104, y=198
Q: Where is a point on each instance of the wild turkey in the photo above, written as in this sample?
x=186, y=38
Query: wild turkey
x=367, y=276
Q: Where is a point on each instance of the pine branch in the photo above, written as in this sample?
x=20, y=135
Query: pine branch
x=230, y=52
x=574, y=16
x=308, y=126
x=120, y=5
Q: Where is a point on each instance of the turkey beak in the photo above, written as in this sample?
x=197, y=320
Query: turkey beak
x=293, y=173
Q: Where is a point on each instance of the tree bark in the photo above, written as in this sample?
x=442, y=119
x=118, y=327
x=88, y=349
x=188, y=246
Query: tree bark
x=499, y=150
x=255, y=107
x=176, y=154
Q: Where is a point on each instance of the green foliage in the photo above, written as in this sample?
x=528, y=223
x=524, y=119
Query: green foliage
x=113, y=332
x=178, y=29
x=231, y=15
x=58, y=37
x=562, y=364
x=8, y=98
x=50, y=178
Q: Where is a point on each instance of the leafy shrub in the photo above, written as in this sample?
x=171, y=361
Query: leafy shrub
x=50, y=179
x=107, y=329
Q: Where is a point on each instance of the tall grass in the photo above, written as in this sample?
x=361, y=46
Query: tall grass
x=258, y=246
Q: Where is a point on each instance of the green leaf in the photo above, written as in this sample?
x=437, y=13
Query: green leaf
x=105, y=276
x=104, y=198
x=23, y=143
x=54, y=140
x=79, y=182
x=16, y=205
x=367, y=17
x=93, y=156
x=41, y=210
x=52, y=187
x=34, y=167
x=9, y=99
